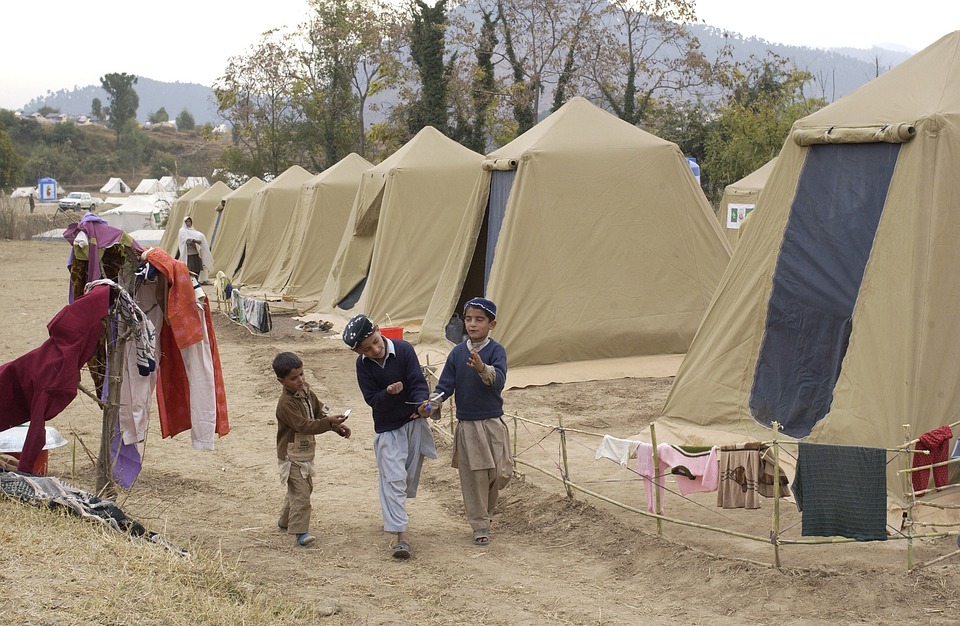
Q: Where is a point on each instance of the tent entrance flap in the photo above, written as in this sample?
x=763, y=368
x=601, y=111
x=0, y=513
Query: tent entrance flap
x=826, y=244
x=353, y=296
x=501, y=182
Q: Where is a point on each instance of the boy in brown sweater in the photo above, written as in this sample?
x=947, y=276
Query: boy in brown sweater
x=300, y=416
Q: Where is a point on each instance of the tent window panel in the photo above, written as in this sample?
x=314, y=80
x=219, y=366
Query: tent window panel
x=826, y=245
x=501, y=182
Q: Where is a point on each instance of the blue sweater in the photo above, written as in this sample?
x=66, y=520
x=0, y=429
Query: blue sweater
x=392, y=412
x=475, y=401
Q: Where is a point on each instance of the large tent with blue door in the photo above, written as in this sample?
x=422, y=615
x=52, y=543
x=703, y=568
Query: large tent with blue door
x=595, y=241
x=402, y=226
x=837, y=315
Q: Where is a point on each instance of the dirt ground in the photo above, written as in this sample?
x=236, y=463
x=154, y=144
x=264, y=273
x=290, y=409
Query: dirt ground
x=553, y=559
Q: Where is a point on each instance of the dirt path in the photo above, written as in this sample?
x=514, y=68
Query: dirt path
x=553, y=559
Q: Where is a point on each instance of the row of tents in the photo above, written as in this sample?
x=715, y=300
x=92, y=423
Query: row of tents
x=833, y=318
x=592, y=236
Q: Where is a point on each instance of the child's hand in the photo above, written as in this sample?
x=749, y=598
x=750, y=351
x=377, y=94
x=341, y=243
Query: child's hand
x=344, y=432
x=395, y=388
x=337, y=419
x=475, y=361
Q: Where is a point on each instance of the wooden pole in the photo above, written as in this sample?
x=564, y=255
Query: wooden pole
x=116, y=340
x=907, y=482
x=655, y=485
x=563, y=450
x=775, y=533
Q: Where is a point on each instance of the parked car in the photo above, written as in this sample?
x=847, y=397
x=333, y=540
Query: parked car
x=79, y=200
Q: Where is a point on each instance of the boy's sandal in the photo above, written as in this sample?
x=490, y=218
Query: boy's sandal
x=401, y=550
x=481, y=537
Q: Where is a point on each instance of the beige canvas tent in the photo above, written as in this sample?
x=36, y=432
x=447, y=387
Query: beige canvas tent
x=148, y=185
x=403, y=223
x=303, y=260
x=837, y=316
x=115, y=185
x=228, y=238
x=596, y=243
x=178, y=210
x=270, y=212
x=740, y=198
x=203, y=208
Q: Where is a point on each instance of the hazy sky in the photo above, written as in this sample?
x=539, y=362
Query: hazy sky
x=60, y=44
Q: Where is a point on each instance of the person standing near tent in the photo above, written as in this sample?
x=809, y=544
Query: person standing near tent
x=392, y=383
x=300, y=416
x=194, y=250
x=476, y=371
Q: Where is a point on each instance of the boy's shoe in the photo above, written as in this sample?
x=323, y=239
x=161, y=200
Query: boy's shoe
x=401, y=550
x=305, y=539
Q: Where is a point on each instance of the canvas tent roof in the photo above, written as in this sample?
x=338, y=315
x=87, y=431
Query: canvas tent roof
x=229, y=229
x=203, y=208
x=115, y=185
x=270, y=212
x=194, y=181
x=168, y=183
x=837, y=314
x=148, y=185
x=133, y=213
x=303, y=260
x=598, y=246
x=412, y=201
x=175, y=220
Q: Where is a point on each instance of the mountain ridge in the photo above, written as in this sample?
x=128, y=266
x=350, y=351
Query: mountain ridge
x=836, y=72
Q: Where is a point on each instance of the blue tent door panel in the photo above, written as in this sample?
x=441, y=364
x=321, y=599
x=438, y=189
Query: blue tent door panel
x=826, y=245
x=501, y=182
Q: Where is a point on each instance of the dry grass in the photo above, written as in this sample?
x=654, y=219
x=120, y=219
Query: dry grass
x=18, y=223
x=57, y=569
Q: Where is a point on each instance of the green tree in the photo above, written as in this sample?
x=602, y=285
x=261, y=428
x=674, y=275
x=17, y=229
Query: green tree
x=254, y=96
x=185, y=121
x=96, y=110
x=11, y=165
x=158, y=116
x=645, y=55
x=427, y=35
x=766, y=97
x=131, y=147
x=124, y=100
x=323, y=90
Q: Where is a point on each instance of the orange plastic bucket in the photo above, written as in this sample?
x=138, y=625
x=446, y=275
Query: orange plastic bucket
x=392, y=332
x=40, y=465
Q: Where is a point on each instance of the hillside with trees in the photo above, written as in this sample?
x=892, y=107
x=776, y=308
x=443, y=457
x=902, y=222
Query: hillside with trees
x=364, y=76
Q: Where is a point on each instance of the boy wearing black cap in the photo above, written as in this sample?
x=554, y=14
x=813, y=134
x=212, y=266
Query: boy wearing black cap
x=392, y=383
x=475, y=373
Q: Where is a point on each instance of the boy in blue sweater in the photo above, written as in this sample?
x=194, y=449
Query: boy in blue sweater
x=475, y=373
x=392, y=383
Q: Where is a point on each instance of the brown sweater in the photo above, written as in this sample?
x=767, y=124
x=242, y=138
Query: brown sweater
x=300, y=416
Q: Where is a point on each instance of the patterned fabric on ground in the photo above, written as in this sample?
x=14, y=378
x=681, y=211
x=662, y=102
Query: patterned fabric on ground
x=842, y=491
x=936, y=441
x=53, y=493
